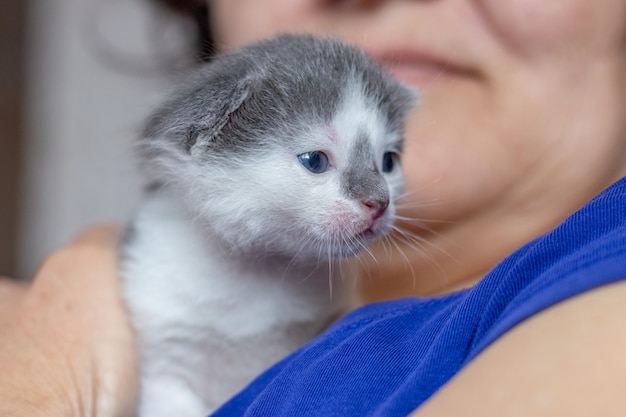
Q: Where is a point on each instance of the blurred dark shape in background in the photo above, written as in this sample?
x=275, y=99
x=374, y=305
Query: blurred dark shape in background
x=12, y=24
x=77, y=79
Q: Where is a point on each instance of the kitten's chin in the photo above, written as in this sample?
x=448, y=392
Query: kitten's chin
x=346, y=251
x=353, y=245
x=320, y=252
x=304, y=245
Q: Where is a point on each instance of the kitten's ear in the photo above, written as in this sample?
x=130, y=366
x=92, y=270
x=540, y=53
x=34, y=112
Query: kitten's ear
x=196, y=114
x=406, y=98
x=198, y=136
x=402, y=100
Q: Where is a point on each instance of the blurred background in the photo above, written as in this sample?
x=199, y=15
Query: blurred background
x=77, y=79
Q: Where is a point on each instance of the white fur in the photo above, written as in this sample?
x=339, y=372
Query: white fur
x=355, y=113
x=208, y=321
x=229, y=268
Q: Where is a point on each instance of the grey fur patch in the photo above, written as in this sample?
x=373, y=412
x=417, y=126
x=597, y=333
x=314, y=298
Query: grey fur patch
x=266, y=94
x=362, y=181
x=126, y=240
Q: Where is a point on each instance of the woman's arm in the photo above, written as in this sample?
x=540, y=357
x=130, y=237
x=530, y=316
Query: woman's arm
x=66, y=348
x=569, y=360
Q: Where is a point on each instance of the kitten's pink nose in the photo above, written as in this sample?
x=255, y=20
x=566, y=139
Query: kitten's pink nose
x=376, y=207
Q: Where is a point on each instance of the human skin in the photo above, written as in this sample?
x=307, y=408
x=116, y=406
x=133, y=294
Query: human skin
x=490, y=153
x=66, y=347
x=521, y=127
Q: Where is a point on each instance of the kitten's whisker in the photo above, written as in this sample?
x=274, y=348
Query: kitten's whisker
x=364, y=267
x=406, y=259
x=415, y=242
x=410, y=194
x=410, y=237
x=367, y=250
x=348, y=243
x=422, y=221
x=420, y=243
x=419, y=223
x=417, y=204
x=294, y=259
x=386, y=242
x=320, y=247
x=330, y=270
x=371, y=254
x=386, y=245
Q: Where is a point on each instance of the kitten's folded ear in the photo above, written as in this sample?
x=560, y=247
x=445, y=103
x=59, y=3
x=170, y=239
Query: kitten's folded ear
x=401, y=100
x=406, y=98
x=195, y=115
x=199, y=136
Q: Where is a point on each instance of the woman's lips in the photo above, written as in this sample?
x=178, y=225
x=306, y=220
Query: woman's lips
x=421, y=69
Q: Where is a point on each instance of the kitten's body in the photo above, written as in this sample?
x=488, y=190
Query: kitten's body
x=227, y=263
x=209, y=320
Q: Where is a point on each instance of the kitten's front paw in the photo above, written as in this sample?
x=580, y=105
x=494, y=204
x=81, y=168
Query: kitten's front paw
x=170, y=398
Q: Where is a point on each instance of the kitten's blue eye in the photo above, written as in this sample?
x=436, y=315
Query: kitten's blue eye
x=315, y=161
x=389, y=161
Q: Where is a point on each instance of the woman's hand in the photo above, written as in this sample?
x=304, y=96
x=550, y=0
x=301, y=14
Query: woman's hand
x=66, y=346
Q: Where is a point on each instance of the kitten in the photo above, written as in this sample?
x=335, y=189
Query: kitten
x=270, y=164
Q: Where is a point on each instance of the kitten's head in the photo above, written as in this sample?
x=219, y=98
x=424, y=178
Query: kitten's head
x=290, y=146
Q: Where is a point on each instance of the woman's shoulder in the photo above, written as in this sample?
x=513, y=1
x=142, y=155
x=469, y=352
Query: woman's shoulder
x=552, y=341
x=584, y=252
x=566, y=360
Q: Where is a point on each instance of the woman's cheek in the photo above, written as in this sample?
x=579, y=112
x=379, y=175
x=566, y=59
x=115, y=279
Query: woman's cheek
x=535, y=27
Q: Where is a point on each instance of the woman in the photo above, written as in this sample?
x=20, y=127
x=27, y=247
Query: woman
x=520, y=126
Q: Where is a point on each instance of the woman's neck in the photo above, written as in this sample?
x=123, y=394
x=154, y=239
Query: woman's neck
x=458, y=254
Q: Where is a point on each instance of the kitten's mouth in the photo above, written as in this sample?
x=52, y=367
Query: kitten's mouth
x=353, y=245
x=370, y=233
x=376, y=229
x=366, y=234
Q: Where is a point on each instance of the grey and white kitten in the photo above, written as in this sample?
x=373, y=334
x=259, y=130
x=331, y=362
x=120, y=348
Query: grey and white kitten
x=270, y=164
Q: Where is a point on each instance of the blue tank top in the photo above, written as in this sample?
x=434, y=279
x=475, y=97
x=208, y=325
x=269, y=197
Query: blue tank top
x=386, y=359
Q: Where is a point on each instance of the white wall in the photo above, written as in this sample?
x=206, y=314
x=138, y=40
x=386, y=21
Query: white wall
x=95, y=67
